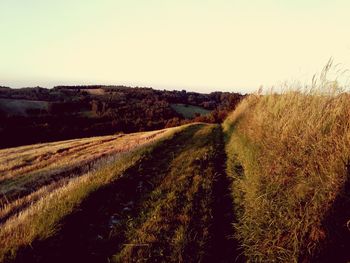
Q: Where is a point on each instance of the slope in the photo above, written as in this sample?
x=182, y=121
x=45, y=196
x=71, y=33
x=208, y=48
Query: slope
x=168, y=200
x=288, y=155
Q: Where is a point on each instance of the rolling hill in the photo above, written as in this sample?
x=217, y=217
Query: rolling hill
x=70, y=112
x=152, y=195
x=268, y=185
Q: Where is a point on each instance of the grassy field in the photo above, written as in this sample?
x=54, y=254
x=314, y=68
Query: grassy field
x=20, y=107
x=189, y=111
x=159, y=195
x=25, y=170
x=45, y=181
x=271, y=184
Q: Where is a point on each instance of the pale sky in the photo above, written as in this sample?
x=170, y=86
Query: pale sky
x=199, y=45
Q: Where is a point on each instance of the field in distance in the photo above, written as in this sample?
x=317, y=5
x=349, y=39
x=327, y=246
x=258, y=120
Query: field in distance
x=189, y=111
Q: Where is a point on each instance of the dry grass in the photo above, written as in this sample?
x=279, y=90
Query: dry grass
x=288, y=155
x=39, y=220
x=95, y=91
x=25, y=169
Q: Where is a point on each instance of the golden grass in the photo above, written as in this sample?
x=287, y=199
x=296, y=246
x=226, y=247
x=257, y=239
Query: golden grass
x=23, y=168
x=293, y=148
x=21, y=160
x=40, y=220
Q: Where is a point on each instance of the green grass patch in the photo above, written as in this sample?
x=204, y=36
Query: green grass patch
x=21, y=107
x=189, y=111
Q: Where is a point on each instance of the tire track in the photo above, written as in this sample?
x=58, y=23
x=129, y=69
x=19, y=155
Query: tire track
x=87, y=234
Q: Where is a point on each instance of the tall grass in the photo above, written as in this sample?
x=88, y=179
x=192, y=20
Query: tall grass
x=288, y=154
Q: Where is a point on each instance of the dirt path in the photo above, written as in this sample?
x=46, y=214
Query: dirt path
x=225, y=248
x=174, y=205
x=86, y=235
x=190, y=219
x=174, y=224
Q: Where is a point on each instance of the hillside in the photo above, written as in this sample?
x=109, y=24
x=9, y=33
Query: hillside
x=69, y=112
x=155, y=195
x=288, y=156
x=189, y=111
x=268, y=185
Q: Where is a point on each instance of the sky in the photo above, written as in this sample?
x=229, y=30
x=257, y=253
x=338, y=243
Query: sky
x=198, y=45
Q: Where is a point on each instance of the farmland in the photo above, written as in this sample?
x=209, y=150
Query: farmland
x=189, y=111
x=22, y=107
x=70, y=112
x=25, y=169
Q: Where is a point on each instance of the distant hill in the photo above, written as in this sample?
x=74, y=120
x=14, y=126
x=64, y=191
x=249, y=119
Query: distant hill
x=32, y=115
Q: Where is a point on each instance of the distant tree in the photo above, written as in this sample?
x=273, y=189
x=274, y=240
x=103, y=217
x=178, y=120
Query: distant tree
x=173, y=122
